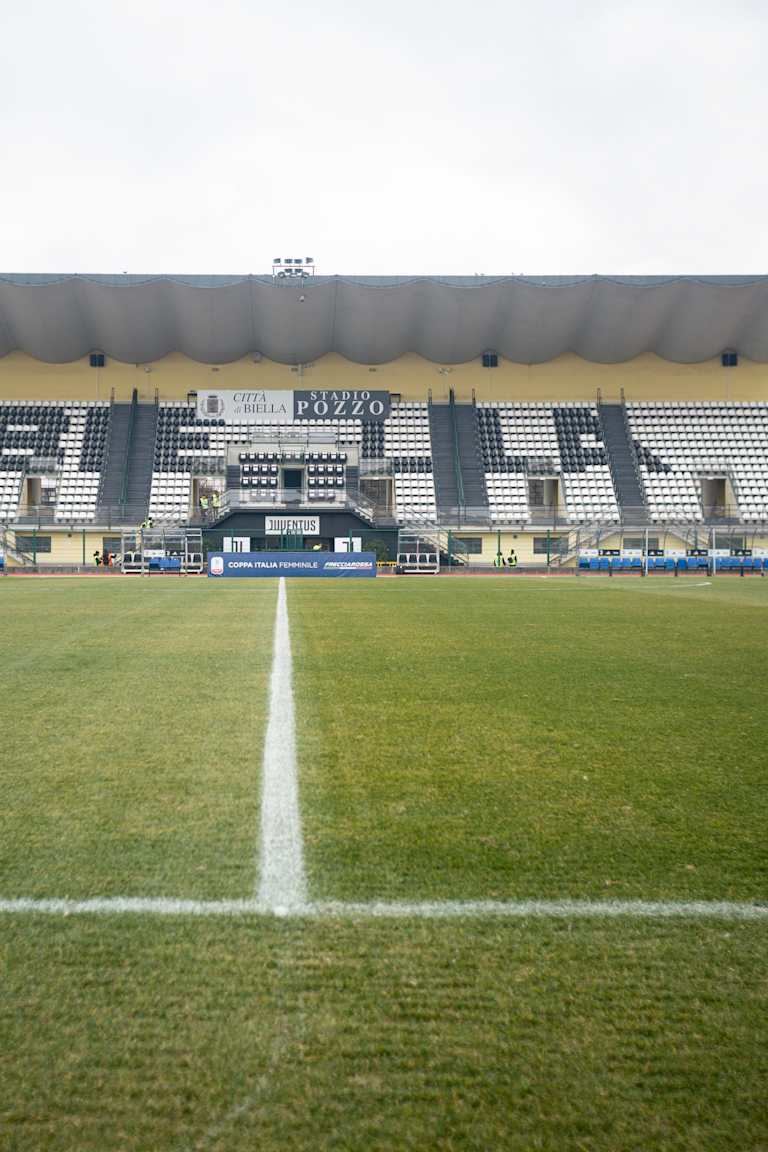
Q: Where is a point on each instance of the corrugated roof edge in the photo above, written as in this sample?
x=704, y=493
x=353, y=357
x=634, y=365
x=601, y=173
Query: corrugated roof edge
x=30, y=279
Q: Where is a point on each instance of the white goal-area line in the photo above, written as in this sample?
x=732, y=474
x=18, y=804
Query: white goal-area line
x=281, y=889
x=394, y=910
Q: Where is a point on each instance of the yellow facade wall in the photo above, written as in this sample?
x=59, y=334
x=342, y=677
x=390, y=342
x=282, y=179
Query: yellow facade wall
x=522, y=542
x=566, y=378
x=66, y=546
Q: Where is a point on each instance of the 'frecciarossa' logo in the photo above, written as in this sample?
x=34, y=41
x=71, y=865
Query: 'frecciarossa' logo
x=349, y=565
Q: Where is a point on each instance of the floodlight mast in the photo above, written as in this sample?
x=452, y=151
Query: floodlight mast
x=293, y=267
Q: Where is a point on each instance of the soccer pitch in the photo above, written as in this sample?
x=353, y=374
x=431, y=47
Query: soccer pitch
x=491, y=742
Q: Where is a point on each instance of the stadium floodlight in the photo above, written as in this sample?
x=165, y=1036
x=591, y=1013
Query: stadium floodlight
x=293, y=267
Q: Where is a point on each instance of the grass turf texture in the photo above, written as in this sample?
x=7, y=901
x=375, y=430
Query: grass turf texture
x=445, y=731
x=132, y=719
x=502, y=738
x=222, y=1035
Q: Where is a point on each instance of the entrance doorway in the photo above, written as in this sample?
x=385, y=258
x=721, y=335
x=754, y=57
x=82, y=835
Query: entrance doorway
x=543, y=495
x=293, y=482
x=32, y=492
x=713, y=495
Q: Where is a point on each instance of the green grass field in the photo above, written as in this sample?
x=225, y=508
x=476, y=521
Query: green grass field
x=550, y=739
x=458, y=739
x=132, y=737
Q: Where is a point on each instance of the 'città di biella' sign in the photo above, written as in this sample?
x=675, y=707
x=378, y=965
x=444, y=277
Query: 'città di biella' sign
x=284, y=406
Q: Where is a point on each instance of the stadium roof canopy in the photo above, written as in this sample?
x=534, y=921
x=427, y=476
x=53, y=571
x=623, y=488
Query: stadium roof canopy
x=375, y=319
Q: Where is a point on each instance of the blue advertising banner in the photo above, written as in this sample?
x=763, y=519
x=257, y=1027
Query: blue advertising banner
x=223, y=564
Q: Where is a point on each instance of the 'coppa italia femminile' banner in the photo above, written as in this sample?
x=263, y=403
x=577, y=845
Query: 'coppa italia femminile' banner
x=291, y=407
x=223, y=564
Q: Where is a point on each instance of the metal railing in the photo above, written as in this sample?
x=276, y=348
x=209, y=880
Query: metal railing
x=559, y=518
x=128, y=445
x=632, y=449
x=47, y=465
x=109, y=446
x=456, y=453
x=375, y=467
x=9, y=547
x=334, y=500
x=454, y=517
x=47, y=516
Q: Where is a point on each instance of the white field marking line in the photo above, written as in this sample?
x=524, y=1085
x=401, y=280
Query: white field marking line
x=282, y=884
x=394, y=910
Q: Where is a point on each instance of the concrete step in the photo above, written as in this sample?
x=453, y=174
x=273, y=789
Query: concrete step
x=470, y=457
x=114, y=464
x=621, y=454
x=142, y=455
x=441, y=435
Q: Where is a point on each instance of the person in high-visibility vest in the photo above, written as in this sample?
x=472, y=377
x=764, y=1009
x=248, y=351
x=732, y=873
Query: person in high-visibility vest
x=204, y=506
x=512, y=559
x=216, y=501
x=498, y=560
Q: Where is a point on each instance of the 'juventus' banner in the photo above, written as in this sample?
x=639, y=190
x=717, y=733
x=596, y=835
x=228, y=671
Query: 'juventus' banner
x=285, y=406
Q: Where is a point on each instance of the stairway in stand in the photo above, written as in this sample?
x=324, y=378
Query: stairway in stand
x=621, y=454
x=444, y=472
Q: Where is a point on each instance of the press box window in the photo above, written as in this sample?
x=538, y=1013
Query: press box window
x=637, y=543
x=735, y=543
x=555, y=545
x=472, y=545
x=33, y=543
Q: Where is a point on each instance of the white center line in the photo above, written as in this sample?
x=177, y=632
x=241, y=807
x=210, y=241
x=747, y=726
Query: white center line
x=282, y=884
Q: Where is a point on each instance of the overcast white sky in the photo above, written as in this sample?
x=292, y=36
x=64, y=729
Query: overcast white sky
x=406, y=136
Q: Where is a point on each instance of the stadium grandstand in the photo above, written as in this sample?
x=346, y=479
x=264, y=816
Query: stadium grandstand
x=565, y=421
